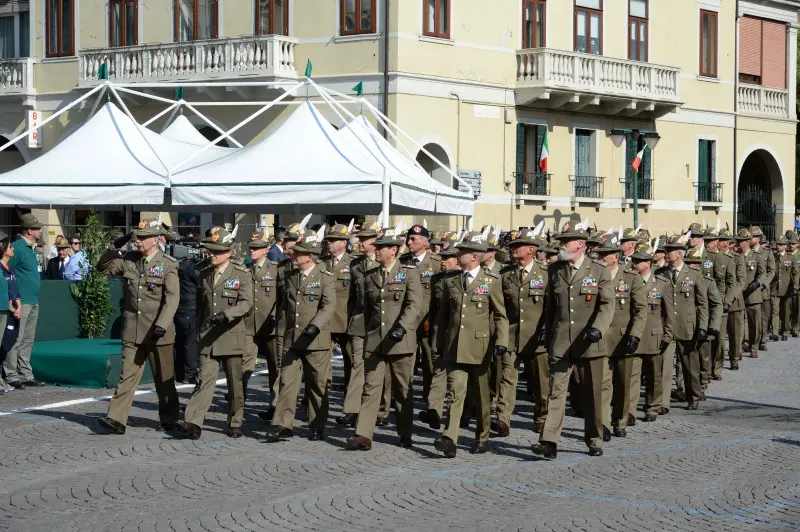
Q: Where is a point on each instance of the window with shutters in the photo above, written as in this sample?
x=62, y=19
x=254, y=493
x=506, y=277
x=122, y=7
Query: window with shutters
x=637, y=30
x=15, y=34
x=196, y=20
x=122, y=22
x=436, y=21
x=357, y=16
x=706, y=152
x=586, y=182
x=708, y=43
x=534, y=16
x=531, y=179
x=762, y=52
x=59, y=28
x=588, y=35
x=644, y=175
x=272, y=17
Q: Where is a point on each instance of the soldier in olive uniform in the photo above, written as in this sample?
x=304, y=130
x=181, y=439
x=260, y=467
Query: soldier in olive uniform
x=755, y=278
x=148, y=331
x=697, y=260
x=624, y=334
x=304, y=315
x=393, y=298
x=735, y=323
x=724, y=267
x=784, y=286
x=627, y=246
x=580, y=303
x=225, y=298
x=464, y=337
x=689, y=308
x=524, y=286
x=657, y=330
x=262, y=320
x=339, y=263
x=758, y=245
x=794, y=328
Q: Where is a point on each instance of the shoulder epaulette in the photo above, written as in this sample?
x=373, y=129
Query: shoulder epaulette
x=241, y=268
x=325, y=271
x=170, y=258
x=408, y=266
x=596, y=261
x=492, y=274
x=661, y=278
x=507, y=269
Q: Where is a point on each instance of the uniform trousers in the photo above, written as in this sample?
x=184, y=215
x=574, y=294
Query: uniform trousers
x=753, y=325
x=343, y=341
x=735, y=336
x=187, y=356
x=505, y=381
x=537, y=372
x=667, y=374
x=706, y=362
x=161, y=365
x=652, y=365
x=766, y=319
x=636, y=386
x=17, y=365
x=795, y=314
x=459, y=378
x=438, y=385
x=400, y=369
x=620, y=399
x=781, y=314
x=315, y=367
x=689, y=357
x=591, y=372
x=718, y=347
x=607, y=391
x=428, y=360
x=355, y=385
x=203, y=394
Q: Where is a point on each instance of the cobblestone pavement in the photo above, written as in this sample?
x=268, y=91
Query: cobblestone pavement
x=731, y=466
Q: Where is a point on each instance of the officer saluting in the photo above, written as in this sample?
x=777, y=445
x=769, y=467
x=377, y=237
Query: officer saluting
x=148, y=332
x=225, y=297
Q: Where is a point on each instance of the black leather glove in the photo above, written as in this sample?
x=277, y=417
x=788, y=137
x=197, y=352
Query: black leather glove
x=753, y=287
x=592, y=335
x=272, y=321
x=792, y=291
x=122, y=240
x=218, y=319
x=631, y=344
x=714, y=333
x=664, y=344
x=726, y=308
x=500, y=350
x=311, y=331
x=397, y=333
x=159, y=332
x=702, y=336
x=541, y=338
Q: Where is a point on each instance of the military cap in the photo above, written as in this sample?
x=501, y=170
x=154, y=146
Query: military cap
x=595, y=238
x=148, y=229
x=551, y=248
x=338, y=232
x=436, y=238
x=744, y=234
x=61, y=243
x=419, y=230
x=573, y=231
x=259, y=239
x=694, y=256
x=493, y=243
x=475, y=242
x=390, y=237
x=712, y=234
x=725, y=234
x=791, y=237
x=369, y=229
x=451, y=237
x=610, y=242
x=29, y=221
x=312, y=243
x=629, y=235
x=526, y=237
x=756, y=231
x=293, y=232
x=450, y=252
x=676, y=242
x=643, y=233
x=696, y=229
x=645, y=250
x=220, y=240
x=781, y=240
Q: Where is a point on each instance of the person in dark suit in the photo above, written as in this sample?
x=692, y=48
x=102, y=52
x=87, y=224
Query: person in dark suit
x=55, y=266
x=284, y=241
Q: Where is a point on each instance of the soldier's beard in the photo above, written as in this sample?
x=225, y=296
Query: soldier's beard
x=563, y=254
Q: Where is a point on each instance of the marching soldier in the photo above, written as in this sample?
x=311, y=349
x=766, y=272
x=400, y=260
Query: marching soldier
x=689, y=308
x=148, y=331
x=755, y=278
x=791, y=236
x=225, y=298
x=760, y=247
x=393, y=299
x=724, y=269
x=524, y=286
x=784, y=286
x=581, y=296
x=469, y=305
x=490, y=262
x=624, y=335
x=735, y=323
x=627, y=246
x=304, y=315
x=697, y=260
x=657, y=333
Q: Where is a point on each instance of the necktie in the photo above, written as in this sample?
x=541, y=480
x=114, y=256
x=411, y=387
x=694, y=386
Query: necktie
x=415, y=261
x=674, y=276
x=521, y=275
x=466, y=280
x=385, y=275
x=217, y=275
x=61, y=269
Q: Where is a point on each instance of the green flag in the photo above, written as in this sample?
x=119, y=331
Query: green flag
x=308, y=69
x=359, y=89
x=179, y=93
x=102, y=72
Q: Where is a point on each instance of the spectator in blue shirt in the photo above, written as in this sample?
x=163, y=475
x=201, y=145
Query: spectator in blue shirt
x=11, y=312
x=77, y=266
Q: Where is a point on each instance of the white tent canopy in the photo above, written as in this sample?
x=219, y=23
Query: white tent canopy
x=182, y=130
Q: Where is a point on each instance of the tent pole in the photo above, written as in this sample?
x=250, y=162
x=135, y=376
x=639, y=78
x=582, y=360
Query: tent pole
x=386, y=186
x=172, y=108
x=97, y=102
x=212, y=124
x=51, y=118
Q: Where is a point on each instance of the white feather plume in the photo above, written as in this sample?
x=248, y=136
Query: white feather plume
x=230, y=236
x=469, y=224
x=425, y=223
x=655, y=245
x=380, y=220
x=538, y=229
x=304, y=223
x=352, y=224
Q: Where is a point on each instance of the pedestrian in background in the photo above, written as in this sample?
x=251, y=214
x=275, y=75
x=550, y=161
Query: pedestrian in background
x=55, y=266
x=78, y=265
x=9, y=316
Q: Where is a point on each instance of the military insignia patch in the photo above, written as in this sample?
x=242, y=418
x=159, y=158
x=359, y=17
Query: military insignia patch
x=708, y=265
x=156, y=271
x=537, y=283
x=314, y=284
x=589, y=282
x=426, y=274
x=268, y=277
x=623, y=287
x=231, y=284
x=481, y=290
x=687, y=284
x=399, y=278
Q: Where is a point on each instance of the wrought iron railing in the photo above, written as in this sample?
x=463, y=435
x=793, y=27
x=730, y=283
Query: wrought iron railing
x=709, y=192
x=587, y=186
x=644, y=189
x=532, y=183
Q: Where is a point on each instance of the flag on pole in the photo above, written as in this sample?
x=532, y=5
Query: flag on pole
x=638, y=160
x=545, y=154
x=359, y=89
x=308, y=69
x=102, y=71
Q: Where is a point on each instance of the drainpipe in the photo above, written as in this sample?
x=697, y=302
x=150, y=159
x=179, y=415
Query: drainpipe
x=386, y=8
x=736, y=123
x=458, y=130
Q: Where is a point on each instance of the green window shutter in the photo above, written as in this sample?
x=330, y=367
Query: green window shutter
x=520, y=178
x=703, y=176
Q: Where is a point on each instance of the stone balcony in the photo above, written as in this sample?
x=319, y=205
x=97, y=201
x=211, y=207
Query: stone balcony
x=16, y=76
x=571, y=81
x=259, y=58
x=765, y=102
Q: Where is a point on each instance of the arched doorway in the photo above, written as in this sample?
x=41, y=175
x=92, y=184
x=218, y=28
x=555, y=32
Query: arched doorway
x=760, y=191
x=429, y=165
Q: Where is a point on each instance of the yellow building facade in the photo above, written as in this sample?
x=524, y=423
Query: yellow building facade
x=709, y=84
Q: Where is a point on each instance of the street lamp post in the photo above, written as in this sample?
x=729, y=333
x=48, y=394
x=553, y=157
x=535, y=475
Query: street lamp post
x=642, y=138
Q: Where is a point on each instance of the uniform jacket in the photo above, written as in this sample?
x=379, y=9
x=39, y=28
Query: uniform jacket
x=524, y=300
x=714, y=306
x=724, y=274
x=768, y=259
x=574, y=305
x=151, y=294
x=429, y=266
x=630, y=304
x=786, y=274
x=658, y=327
x=496, y=267
x=262, y=320
x=755, y=270
x=688, y=304
x=307, y=301
x=355, y=303
x=737, y=265
x=463, y=334
x=437, y=292
x=396, y=302
x=342, y=274
x=231, y=294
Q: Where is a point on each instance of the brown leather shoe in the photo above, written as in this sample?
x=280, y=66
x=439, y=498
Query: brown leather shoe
x=115, y=426
x=192, y=431
x=595, y=451
x=479, y=447
x=631, y=420
x=500, y=428
x=235, y=432
x=446, y=446
x=693, y=405
x=649, y=418
x=382, y=422
x=348, y=420
x=545, y=449
x=358, y=443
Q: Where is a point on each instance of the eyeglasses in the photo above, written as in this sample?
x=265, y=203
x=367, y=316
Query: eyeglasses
x=77, y=243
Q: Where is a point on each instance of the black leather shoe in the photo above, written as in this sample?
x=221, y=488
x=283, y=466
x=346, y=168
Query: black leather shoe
x=276, y=433
x=595, y=451
x=235, y=432
x=735, y=367
x=405, y=442
x=606, y=434
x=348, y=420
x=773, y=338
x=716, y=377
x=17, y=385
x=631, y=420
x=431, y=418
x=464, y=423
x=761, y=347
x=795, y=335
x=192, y=431
x=693, y=405
x=663, y=411
x=115, y=426
x=170, y=427
x=620, y=432
x=316, y=435
x=479, y=447
x=784, y=338
x=446, y=446
x=678, y=396
x=34, y=384
x=381, y=421
x=545, y=449
x=358, y=443
x=267, y=414
x=649, y=418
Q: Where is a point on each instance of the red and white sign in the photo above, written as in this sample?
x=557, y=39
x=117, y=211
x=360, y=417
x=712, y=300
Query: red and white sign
x=34, y=118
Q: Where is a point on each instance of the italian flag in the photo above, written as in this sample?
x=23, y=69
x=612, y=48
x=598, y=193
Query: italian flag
x=545, y=154
x=638, y=160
